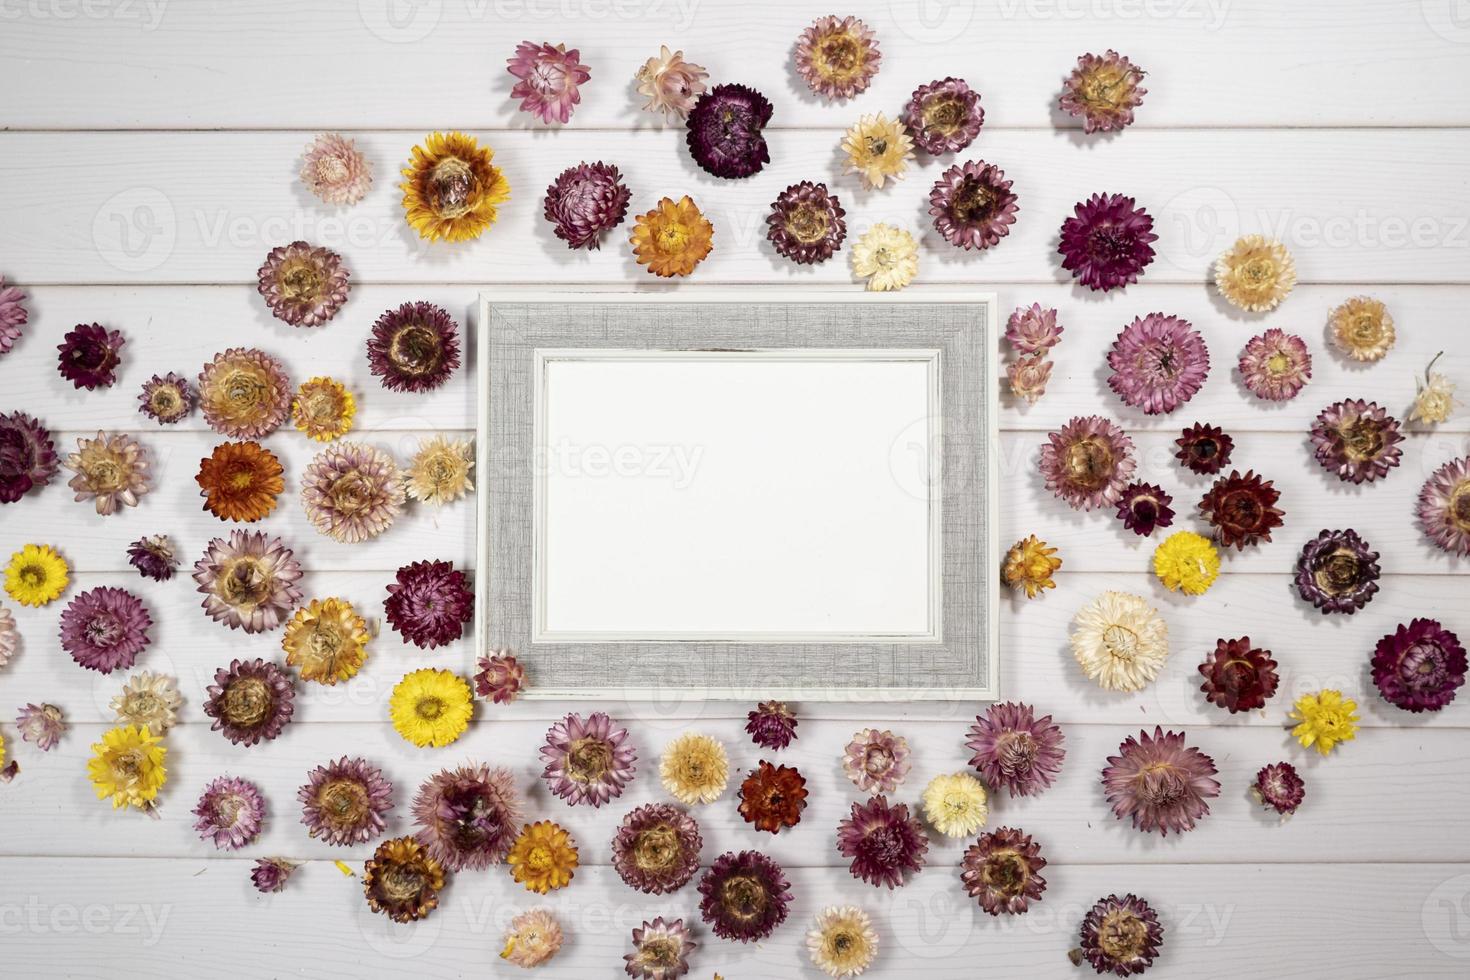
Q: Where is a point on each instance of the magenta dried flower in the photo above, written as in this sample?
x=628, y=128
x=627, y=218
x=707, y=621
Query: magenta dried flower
x=27, y=456
x=230, y=813
x=1158, y=363
x=1419, y=667
x=1002, y=871
x=875, y=761
x=250, y=701
x=547, y=79
x=344, y=802
x=430, y=603
x=744, y=896
x=1033, y=329
x=725, y=131
x=656, y=848
x=805, y=224
x=1357, y=440
x=944, y=116
x=973, y=205
x=1159, y=782
x=1016, y=750
x=1276, y=365
x=1278, y=787
x=1087, y=462
x=105, y=629
x=1104, y=90
x=13, y=316
x=500, y=677
x=1444, y=507
x=303, y=284
x=1120, y=936
x=882, y=841
x=90, y=355
x=1108, y=242
x=43, y=724
x=1144, y=507
x=249, y=581
x=153, y=556
x=167, y=398
x=588, y=760
x=271, y=874
x=584, y=201
x=468, y=817
x=772, y=725
x=414, y=348
x=1337, y=573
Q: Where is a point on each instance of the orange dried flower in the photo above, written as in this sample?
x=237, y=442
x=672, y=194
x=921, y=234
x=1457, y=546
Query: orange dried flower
x=672, y=238
x=239, y=481
x=773, y=797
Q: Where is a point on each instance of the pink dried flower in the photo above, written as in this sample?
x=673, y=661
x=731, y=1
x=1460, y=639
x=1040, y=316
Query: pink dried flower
x=111, y=471
x=335, y=170
x=1108, y=242
x=468, y=817
x=772, y=725
x=1275, y=365
x=584, y=202
x=230, y=813
x=500, y=678
x=1279, y=787
x=1033, y=329
x=344, y=802
x=1159, y=782
x=244, y=393
x=547, y=77
x=1357, y=440
x=166, y=399
x=1120, y=936
x=744, y=896
x=883, y=842
x=973, y=205
x=153, y=556
x=1104, y=91
x=13, y=316
x=352, y=492
x=271, y=874
x=1087, y=462
x=1444, y=507
x=661, y=950
x=944, y=116
x=105, y=628
x=9, y=636
x=1029, y=377
x=1419, y=667
x=1016, y=750
x=1158, y=363
x=875, y=761
x=430, y=603
x=837, y=58
x=248, y=581
x=250, y=701
x=670, y=83
x=588, y=760
x=1001, y=871
x=656, y=848
x=304, y=285
x=43, y=724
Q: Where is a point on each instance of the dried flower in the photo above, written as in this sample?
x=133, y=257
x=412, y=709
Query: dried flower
x=1029, y=377
x=1238, y=677
x=148, y=700
x=1435, y=401
x=128, y=766
x=248, y=581
x=1256, y=274
x=1337, y=573
x=1242, y=509
x=230, y=813
x=584, y=202
x=239, y=481
x=1104, y=90
x=1120, y=936
x=1362, y=329
x=153, y=557
x=877, y=148
x=673, y=238
x=326, y=641
x=43, y=724
x=1159, y=782
x=547, y=79
x=588, y=760
x=1357, y=440
x=431, y=708
x=1158, y=363
x=772, y=797
x=250, y=701
x=670, y=84
x=543, y=857
x=27, y=456
x=660, y=950
x=1276, y=365
x=1087, y=462
x=842, y=942
x=533, y=938
x=876, y=761
x=1324, y=719
x=772, y=725
x=1205, y=449
x=1002, y=871
x=105, y=628
x=414, y=348
x=402, y=881
x=656, y=849
x=1144, y=507
x=430, y=603
x=837, y=57
x=90, y=355
x=1419, y=667
x=303, y=284
x=805, y=224
x=1108, y=242
x=323, y=409
x=36, y=575
x=744, y=896
x=1029, y=565
x=973, y=205
x=725, y=131
x=883, y=842
x=1187, y=562
x=1444, y=507
x=9, y=636
x=166, y=399
x=886, y=256
x=271, y=874
x=352, y=492
x=244, y=393
x=13, y=316
x=1033, y=330
x=694, y=768
x=467, y=817
x=335, y=170
x=500, y=677
x=944, y=116
x=344, y=802
x=1015, y=750
x=111, y=471
x=1120, y=641
x=439, y=473
x=451, y=190
x=1278, y=787
x=956, y=804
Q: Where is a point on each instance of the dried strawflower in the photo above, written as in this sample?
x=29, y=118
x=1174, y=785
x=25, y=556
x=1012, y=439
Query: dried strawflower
x=500, y=677
x=1278, y=787
x=1419, y=667
x=430, y=707
x=439, y=472
x=303, y=284
x=167, y=398
x=230, y=812
x=1015, y=750
x=772, y=725
x=877, y=148
x=128, y=766
x=842, y=942
x=973, y=205
x=27, y=456
x=352, y=492
x=883, y=842
x=886, y=256
x=1336, y=572
x=1002, y=871
x=725, y=131
x=244, y=393
x=451, y=190
x=672, y=238
x=660, y=950
x=656, y=848
x=335, y=169
x=1238, y=676
x=543, y=857
x=837, y=57
x=323, y=409
x=402, y=881
x=547, y=79
x=694, y=768
x=1029, y=377
x=1144, y=507
x=36, y=575
x=1119, y=936
x=772, y=797
x=956, y=804
x=153, y=556
x=250, y=701
x=1104, y=90
x=1120, y=641
x=1324, y=719
x=1158, y=363
x=584, y=202
x=467, y=817
x=110, y=470
x=1108, y=242
x=1435, y=401
x=1276, y=365
x=1204, y=449
x=105, y=629
x=1242, y=509
x=805, y=224
x=744, y=896
x=532, y=938
x=148, y=700
x=875, y=761
x=249, y=581
x=344, y=802
x=429, y=603
x=89, y=356
x=1357, y=440
x=240, y=481
x=1187, y=562
x=1255, y=274
x=43, y=724
x=669, y=83
x=271, y=874
x=414, y=348
x=1029, y=566
x=588, y=760
x=1087, y=462
x=326, y=641
x=13, y=316
x=1033, y=329
x=1160, y=783
x=1362, y=329
x=1444, y=507
x=944, y=116
x=9, y=636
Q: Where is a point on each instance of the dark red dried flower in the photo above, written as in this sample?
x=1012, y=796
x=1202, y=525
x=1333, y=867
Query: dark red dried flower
x=773, y=797
x=1145, y=506
x=745, y=896
x=90, y=354
x=414, y=347
x=430, y=603
x=1419, y=667
x=1205, y=449
x=1337, y=572
x=772, y=725
x=725, y=127
x=1108, y=242
x=1238, y=676
x=1242, y=509
x=1279, y=787
x=27, y=456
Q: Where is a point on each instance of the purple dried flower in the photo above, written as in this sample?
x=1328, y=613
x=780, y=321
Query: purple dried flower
x=725, y=131
x=1419, y=667
x=414, y=348
x=944, y=116
x=105, y=628
x=588, y=760
x=1144, y=507
x=1357, y=440
x=248, y=581
x=661, y=950
x=973, y=205
x=1159, y=782
x=303, y=284
x=1120, y=936
x=745, y=896
x=271, y=874
x=1337, y=573
x=343, y=802
x=584, y=201
x=43, y=724
x=153, y=557
x=1033, y=329
x=468, y=817
x=1001, y=871
x=1278, y=787
x=500, y=677
x=13, y=316
x=805, y=224
x=656, y=848
x=1016, y=750
x=1158, y=363
x=250, y=701
x=430, y=603
x=1108, y=243
x=1444, y=507
x=772, y=725
x=90, y=355
x=166, y=398
x=27, y=456
x=230, y=812
x=883, y=842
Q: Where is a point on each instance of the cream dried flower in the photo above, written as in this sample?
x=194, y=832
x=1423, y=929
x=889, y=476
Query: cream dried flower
x=440, y=471
x=694, y=768
x=877, y=148
x=150, y=701
x=533, y=938
x=1436, y=399
x=1120, y=641
x=842, y=942
x=110, y=470
x=956, y=804
x=670, y=84
x=1256, y=274
x=1362, y=329
x=886, y=256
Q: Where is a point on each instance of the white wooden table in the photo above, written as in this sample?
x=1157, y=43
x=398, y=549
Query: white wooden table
x=149, y=164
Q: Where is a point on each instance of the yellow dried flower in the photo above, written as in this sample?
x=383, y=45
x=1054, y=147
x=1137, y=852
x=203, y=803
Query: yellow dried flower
x=326, y=640
x=440, y=471
x=543, y=857
x=877, y=148
x=956, y=804
x=1029, y=566
x=1256, y=274
x=1187, y=562
x=431, y=707
x=128, y=766
x=1326, y=718
x=36, y=575
x=323, y=409
x=886, y=256
x=695, y=769
x=451, y=190
x=1362, y=328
